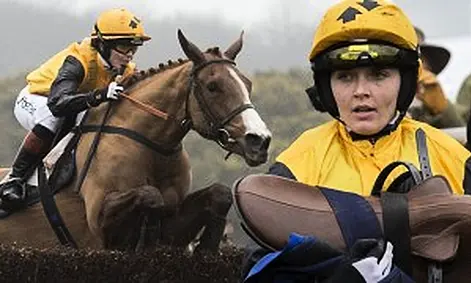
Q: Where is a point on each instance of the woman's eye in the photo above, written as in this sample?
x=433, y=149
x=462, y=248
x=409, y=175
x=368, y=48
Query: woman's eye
x=344, y=76
x=380, y=74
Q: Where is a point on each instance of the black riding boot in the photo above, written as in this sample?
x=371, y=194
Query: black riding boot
x=33, y=149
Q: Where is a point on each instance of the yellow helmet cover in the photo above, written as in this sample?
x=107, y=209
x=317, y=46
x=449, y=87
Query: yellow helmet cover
x=351, y=20
x=117, y=24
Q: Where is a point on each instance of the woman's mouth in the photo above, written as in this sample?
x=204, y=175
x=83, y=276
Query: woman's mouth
x=363, y=108
x=363, y=111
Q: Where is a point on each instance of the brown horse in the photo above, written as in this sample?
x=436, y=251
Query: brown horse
x=135, y=193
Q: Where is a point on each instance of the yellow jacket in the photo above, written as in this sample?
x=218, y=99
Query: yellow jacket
x=96, y=74
x=327, y=156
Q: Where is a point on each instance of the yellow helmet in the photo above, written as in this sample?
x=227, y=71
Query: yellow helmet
x=355, y=33
x=119, y=24
x=371, y=20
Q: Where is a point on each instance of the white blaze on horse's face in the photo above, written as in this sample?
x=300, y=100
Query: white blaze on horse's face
x=252, y=121
x=240, y=129
x=255, y=139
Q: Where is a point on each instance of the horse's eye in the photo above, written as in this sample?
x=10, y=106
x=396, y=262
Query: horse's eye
x=212, y=86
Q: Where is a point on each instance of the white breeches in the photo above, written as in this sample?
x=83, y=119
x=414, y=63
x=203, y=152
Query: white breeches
x=31, y=109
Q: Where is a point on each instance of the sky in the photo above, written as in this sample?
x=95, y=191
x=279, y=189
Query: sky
x=445, y=22
x=242, y=12
x=437, y=18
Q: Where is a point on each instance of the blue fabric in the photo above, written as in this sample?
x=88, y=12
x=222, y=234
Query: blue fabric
x=295, y=262
x=305, y=259
x=355, y=216
x=397, y=276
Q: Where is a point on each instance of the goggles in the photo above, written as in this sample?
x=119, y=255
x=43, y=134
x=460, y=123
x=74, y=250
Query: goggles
x=357, y=55
x=125, y=49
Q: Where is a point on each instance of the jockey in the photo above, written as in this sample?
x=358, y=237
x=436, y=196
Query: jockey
x=366, y=61
x=75, y=79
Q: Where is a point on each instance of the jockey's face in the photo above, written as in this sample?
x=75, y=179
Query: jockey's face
x=366, y=97
x=121, y=55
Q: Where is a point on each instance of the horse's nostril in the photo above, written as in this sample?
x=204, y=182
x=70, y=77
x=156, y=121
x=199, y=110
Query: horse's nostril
x=256, y=141
x=266, y=143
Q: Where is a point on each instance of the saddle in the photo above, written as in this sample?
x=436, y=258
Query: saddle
x=272, y=207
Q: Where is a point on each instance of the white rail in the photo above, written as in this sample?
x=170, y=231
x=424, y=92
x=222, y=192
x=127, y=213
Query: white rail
x=459, y=133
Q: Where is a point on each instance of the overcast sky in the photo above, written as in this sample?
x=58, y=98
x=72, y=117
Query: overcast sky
x=436, y=17
x=242, y=12
x=445, y=22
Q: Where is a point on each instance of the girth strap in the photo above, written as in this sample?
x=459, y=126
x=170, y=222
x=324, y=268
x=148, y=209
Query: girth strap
x=132, y=135
x=52, y=212
x=397, y=229
x=435, y=270
x=355, y=216
x=421, y=141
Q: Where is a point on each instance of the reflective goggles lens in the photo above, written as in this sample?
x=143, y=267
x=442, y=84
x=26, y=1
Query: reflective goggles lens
x=125, y=49
x=358, y=55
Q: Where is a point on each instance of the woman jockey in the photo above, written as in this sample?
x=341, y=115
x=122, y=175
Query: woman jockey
x=366, y=61
x=74, y=80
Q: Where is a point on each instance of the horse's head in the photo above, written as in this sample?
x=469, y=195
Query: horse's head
x=219, y=104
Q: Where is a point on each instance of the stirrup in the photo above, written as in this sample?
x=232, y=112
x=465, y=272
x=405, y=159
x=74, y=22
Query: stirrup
x=19, y=188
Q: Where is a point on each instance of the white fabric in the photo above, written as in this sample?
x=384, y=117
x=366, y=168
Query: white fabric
x=373, y=269
x=31, y=109
x=113, y=91
x=53, y=156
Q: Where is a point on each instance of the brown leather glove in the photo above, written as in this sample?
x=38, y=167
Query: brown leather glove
x=430, y=92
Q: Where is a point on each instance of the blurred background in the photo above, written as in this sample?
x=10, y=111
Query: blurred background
x=278, y=32
x=277, y=38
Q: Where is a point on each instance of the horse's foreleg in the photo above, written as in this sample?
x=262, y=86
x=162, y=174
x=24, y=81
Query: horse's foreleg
x=220, y=204
x=206, y=208
x=132, y=218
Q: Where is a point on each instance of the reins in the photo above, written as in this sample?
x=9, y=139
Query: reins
x=146, y=107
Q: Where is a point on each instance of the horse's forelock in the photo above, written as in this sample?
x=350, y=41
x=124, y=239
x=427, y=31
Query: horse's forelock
x=214, y=51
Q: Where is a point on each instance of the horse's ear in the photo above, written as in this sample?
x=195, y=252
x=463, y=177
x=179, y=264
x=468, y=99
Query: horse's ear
x=191, y=51
x=235, y=48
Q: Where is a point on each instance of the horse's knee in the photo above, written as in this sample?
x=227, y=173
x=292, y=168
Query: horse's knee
x=220, y=199
x=122, y=213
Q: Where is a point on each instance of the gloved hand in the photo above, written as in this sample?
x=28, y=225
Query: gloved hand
x=430, y=92
x=112, y=92
x=377, y=263
x=369, y=261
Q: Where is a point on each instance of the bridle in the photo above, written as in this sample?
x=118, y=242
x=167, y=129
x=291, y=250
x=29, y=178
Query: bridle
x=216, y=129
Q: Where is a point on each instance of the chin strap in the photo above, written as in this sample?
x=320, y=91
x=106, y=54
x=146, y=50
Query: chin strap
x=390, y=127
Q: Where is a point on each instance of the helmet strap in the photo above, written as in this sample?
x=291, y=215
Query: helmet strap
x=388, y=129
x=103, y=47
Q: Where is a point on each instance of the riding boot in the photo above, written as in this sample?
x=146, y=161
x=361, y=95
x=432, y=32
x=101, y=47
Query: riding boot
x=33, y=149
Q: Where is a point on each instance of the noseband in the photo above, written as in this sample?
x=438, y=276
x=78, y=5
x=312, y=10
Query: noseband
x=216, y=124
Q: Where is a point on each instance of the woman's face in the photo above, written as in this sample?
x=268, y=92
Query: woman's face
x=121, y=55
x=366, y=97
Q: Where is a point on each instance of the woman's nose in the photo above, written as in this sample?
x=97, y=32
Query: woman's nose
x=362, y=87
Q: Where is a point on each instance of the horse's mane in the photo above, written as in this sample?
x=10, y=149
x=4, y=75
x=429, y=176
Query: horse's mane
x=143, y=74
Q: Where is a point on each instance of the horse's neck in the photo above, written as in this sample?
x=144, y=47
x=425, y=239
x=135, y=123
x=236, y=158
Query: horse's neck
x=167, y=92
